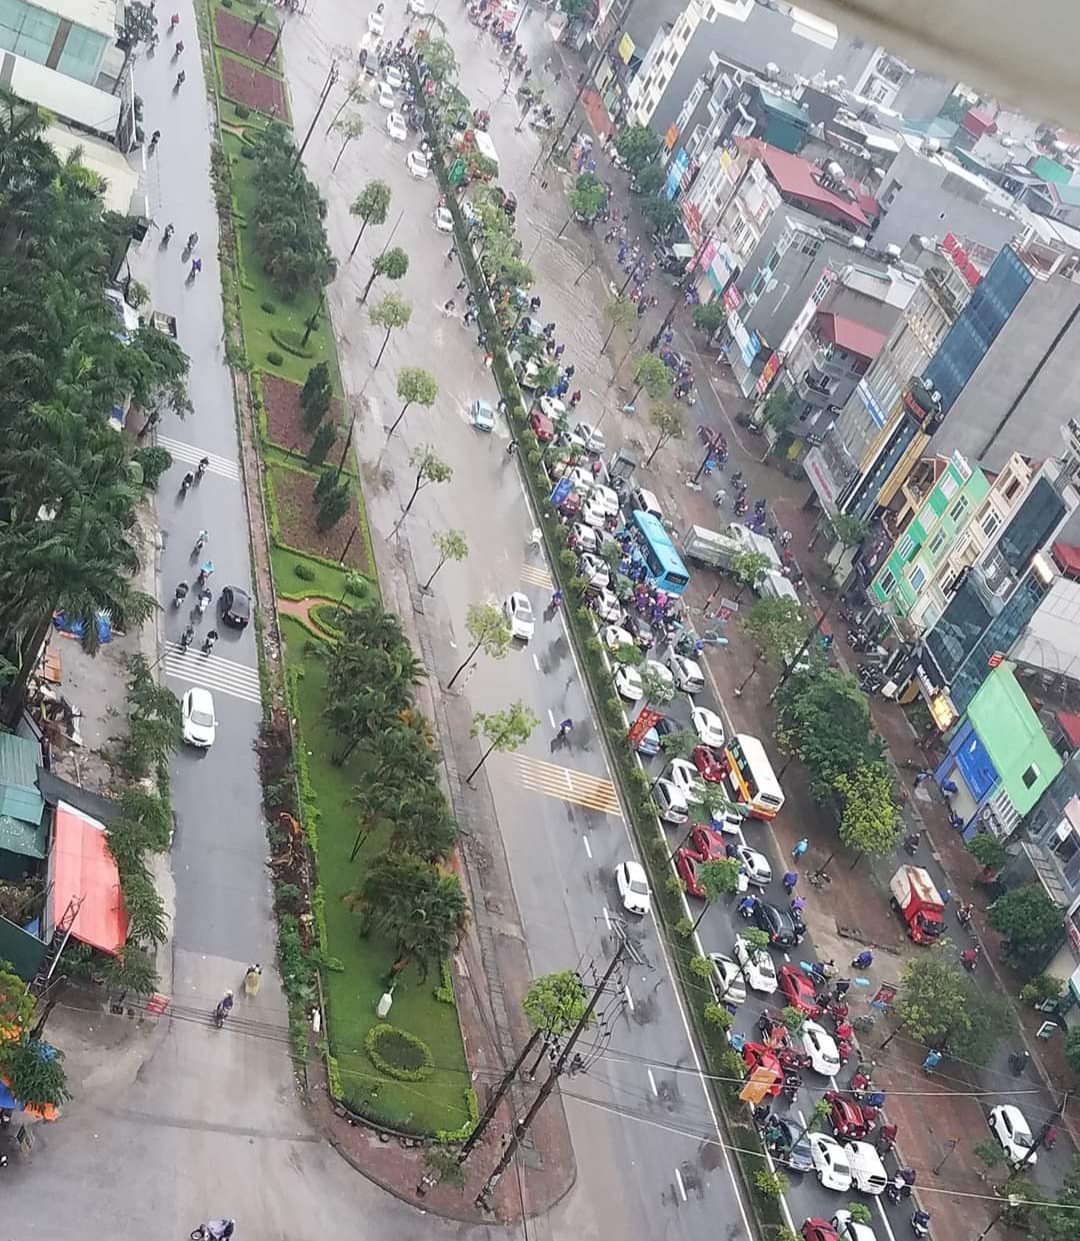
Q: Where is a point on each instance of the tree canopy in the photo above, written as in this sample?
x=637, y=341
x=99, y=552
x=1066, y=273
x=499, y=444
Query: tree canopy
x=1033, y=926
x=637, y=146
x=938, y=1006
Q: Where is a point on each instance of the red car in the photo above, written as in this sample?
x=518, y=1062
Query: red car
x=846, y=1117
x=707, y=844
x=798, y=990
x=710, y=767
x=819, y=1230
x=543, y=427
x=758, y=1056
x=686, y=864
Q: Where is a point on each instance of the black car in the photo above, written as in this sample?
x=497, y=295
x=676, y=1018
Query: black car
x=778, y=924
x=640, y=629
x=787, y=1141
x=235, y=607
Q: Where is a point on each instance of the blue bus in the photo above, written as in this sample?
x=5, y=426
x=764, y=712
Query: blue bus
x=654, y=548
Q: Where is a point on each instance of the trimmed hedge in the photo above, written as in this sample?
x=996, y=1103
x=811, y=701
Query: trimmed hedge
x=398, y=1053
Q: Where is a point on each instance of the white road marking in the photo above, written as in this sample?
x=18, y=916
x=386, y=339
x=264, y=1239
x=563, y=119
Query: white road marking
x=588, y=847
x=551, y=717
x=212, y=672
x=607, y=917
x=191, y=455
x=884, y=1219
x=629, y=998
x=679, y=1182
x=536, y=662
x=652, y=1083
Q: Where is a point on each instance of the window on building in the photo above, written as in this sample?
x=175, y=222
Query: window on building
x=82, y=54
x=959, y=508
x=887, y=582
x=27, y=31
x=809, y=245
x=990, y=524
x=905, y=548
x=917, y=578
x=1012, y=489
x=937, y=543
x=948, y=486
x=1030, y=776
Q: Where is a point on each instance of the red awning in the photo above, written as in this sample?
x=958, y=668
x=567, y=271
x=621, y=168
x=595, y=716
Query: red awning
x=1068, y=559
x=84, y=867
x=1070, y=726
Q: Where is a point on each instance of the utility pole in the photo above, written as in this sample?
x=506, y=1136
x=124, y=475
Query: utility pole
x=1048, y=1124
x=328, y=86
x=557, y=1069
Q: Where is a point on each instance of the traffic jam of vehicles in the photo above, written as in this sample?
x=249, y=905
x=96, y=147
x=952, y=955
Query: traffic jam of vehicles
x=636, y=578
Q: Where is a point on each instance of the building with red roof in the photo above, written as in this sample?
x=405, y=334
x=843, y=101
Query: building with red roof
x=821, y=189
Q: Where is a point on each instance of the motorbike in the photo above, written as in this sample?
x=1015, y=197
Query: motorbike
x=920, y=1223
x=180, y=594
x=790, y=1088
x=202, y=601
x=186, y=483
x=186, y=637
x=205, y=571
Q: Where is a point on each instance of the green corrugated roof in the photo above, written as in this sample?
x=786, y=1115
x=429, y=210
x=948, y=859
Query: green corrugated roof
x=19, y=796
x=788, y=107
x=1050, y=170
x=18, y=836
x=1013, y=736
x=1069, y=194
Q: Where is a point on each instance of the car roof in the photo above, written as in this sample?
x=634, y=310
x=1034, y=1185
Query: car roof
x=199, y=697
x=634, y=870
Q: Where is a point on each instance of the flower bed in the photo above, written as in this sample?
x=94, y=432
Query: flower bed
x=295, y=510
x=243, y=83
x=285, y=415
x=235, y=35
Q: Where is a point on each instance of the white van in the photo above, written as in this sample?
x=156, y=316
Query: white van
x=643, y=501
x=687, y=673
x=867, y=1171
x=776, y=586
x=670, y=802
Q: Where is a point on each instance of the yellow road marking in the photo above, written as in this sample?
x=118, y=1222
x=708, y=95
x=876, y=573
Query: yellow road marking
x=553, y=780
x=536, y=576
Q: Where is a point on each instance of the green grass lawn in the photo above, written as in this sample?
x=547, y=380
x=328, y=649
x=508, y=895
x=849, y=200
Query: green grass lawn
x=256, y=288
x=439, y=1102
x=246, y=10
x=328, y=582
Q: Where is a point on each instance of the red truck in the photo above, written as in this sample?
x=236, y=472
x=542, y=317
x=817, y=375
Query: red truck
x=919, y=903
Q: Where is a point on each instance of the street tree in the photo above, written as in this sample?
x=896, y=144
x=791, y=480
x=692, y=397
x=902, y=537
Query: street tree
x=332, y=500
x=488, y=630
x=710, y=317
x=389, y=312
x=375, y=803
x=506, y=730
x=1072, y=1049
x=553, y=1005
x=988, y=851
x=355, y=92
x=139, y=23
x=932, y=1001
x=709, y=799
x=372, y=206
x=430, y=468
x=849, y=531
x=415, y=386
x=679, y=743
x=651, y=375
x=661, y=213
x=718, y=877
x=392, y=263
x=637, y=147
x=870, y=818
x=657, y=690
x=349, y=126
x=648, y=181
x=1033, y=926
x=34, y=1071
x=749, y=569
x=586, y=199
x=423, y=824
x=620, y=312
x=321, y=444
x=669, y=420
x=16, y=1003
x=316, y=396
x=780, y=408
x=440, y=60
x=1058, y=1218
x=823, y=716
x=417, y=905
x=451, y=545
x=778, y=629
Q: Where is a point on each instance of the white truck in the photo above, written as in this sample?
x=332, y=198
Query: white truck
x=717, y=549
x=867, y=1171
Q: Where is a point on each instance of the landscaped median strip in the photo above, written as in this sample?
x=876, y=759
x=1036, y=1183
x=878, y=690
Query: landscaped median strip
x=725, y=1065
x=411, y=1077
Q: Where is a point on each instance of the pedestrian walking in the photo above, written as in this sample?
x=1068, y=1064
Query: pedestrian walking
x=252, y=979
x=933, y=1059
x=451, y=254
x=864, y=960
x=921, y=777
x=800, y=848
x=448, y=306
x=462, y=283
x=790, y=880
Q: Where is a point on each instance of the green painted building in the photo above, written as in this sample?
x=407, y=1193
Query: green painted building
x=930, y=536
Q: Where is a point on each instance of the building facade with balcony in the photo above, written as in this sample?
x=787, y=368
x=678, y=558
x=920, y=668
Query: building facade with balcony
x=826, y=363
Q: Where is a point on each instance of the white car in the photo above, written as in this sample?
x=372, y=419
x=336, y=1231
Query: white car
x=756, y=965
x=684, y=776
x=580, y=478
x=608, y=497
x=376, y=24
x=1008, y=1125
x=519, y=613
x=417, y=164
x=594, y=570
x=588, y=539
x=199, y=723
x=628, y=683
x=394, y=77
x=756, y=865
x=728, y=980
x=387, y=98
x=708, y=726
x=592, y=513
x=444, y=221
x=614, y=636
x=660, y=672
x=830, y=1162
x=849, y=1229
x=633, y=887
x=687, y=673
x=820, y=1046
x=606, y=605
x=398, y=130
x=551, y=407
x=585, y=434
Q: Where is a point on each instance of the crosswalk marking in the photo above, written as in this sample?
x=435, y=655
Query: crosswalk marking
x=536, y=576
x=592, y=792
x=212, y=672
x=191, y=455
